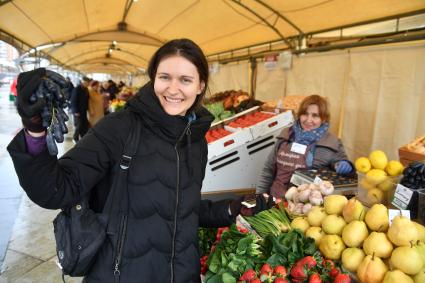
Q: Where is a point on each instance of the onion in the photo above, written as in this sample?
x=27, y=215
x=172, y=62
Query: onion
x=303, y=195
x=289, y=195
x=306, y=208
x=315, y=198
x=326, y=188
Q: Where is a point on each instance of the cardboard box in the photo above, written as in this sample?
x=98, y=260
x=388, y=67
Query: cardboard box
x=406, y=156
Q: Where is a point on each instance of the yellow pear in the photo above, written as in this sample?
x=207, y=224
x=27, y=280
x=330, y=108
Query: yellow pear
x=331, y=246
x=316, y=215
x=396, y=276
x=376, y=176
x=362, y=164
x=316, y=233
x=377, y=243
x=354, y=233
x=378, y=159
x=300, y=223
x=420, y=277
x=407, y=259
x=366, y=185
x=420, y=247
x=333, y=224
x=402, y=231
x=351, y=258
x=371, y=270
x=334, y=204
x=375, y=196
x=377, y=218
x=387, y=185
x=353, y=210
x=394, y=168
x=421, y=231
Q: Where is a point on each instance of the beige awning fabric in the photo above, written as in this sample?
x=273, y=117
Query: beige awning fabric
x=87, y=28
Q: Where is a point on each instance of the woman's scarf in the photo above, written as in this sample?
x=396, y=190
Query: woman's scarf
x=308, y=138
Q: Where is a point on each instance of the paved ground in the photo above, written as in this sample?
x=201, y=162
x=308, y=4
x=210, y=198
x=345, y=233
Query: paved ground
x=27, y=249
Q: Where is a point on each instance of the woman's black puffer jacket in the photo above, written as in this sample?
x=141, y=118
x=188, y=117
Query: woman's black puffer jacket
x=164, y=184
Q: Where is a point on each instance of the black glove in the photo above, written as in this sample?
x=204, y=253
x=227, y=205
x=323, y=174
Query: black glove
x=261, y=203
x=28, y=82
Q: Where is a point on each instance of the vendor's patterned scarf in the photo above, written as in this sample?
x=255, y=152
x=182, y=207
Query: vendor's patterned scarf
x=309, y=137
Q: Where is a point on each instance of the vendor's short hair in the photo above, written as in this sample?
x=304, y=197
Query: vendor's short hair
x=321, y=103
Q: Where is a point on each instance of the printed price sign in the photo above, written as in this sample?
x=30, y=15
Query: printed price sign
x=392, y=213
x=402, y=196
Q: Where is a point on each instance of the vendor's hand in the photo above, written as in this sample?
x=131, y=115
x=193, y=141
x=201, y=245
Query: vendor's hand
x=28, y=82
x=343, y=167
x=262, y=201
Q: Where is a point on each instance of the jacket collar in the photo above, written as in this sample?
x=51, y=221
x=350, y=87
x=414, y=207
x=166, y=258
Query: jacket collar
x=169, y=127
x=328, y=140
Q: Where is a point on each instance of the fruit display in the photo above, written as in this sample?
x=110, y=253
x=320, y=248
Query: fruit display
x=414, y=176
x=215, y=134
x=226, y=104
x=249, y=119
x=377, y=178
x=365, y=242
x=302, y=198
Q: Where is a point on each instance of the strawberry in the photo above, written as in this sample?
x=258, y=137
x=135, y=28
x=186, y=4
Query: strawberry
x=248, y=275
x=315, y=278
x=327, y=263
x=334, y=272
x=256, y=280
x=298, y=272
x=342, y=278
x=280, y=270
x=266, y=269
x=280, y=280
x=308, y=260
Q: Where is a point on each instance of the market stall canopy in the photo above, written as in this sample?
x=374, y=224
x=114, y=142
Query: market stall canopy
x=90, y=35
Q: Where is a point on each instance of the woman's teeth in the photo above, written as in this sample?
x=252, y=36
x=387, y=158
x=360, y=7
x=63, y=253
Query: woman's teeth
x=173, y=100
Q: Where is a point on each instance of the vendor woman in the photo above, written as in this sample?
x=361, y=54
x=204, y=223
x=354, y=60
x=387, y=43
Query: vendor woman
x=306, y=144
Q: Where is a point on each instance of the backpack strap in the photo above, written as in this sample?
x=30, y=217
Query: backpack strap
x=119, y=185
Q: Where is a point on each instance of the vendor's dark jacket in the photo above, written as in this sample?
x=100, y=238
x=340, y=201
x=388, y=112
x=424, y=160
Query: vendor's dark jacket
x=329, y=150
x=164, y=184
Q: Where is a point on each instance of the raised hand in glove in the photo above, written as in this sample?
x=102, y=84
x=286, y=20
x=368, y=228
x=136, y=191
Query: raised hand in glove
x=27, y=84
x=261, y=202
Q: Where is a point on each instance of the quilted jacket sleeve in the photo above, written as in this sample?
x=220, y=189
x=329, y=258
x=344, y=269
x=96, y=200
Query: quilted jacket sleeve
x=54, y=183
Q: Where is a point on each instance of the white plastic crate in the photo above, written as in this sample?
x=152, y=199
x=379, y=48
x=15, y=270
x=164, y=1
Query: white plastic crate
x=228, y=143
x=238, y=169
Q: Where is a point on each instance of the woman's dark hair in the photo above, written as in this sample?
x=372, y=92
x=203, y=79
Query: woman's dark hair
x=321, y=103
x=191, y=51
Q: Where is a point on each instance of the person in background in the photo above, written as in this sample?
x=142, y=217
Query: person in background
x=96, y=111
x=70, y=88
x=79, y=105
x=164, y=182
x=306, y=144
x=13, y=90
x=125, y=94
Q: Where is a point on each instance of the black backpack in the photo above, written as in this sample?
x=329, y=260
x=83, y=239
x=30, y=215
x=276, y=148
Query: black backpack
x=80, y=232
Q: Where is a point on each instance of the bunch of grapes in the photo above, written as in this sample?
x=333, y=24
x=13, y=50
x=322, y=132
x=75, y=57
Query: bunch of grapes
x=414, y=176
x=53, y=89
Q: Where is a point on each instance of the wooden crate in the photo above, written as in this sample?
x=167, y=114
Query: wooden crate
x=406, y=156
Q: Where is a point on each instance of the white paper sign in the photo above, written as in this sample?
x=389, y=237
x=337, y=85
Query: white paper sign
x=298, y=148
x=402, y=196
x=392, y=213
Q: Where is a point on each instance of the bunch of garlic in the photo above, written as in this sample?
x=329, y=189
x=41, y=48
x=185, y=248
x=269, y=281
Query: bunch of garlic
x=301, y=199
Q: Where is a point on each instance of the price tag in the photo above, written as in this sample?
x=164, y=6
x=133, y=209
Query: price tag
x=392, y=213
x=298, y=148
x=317, y=180
x=402, y=196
